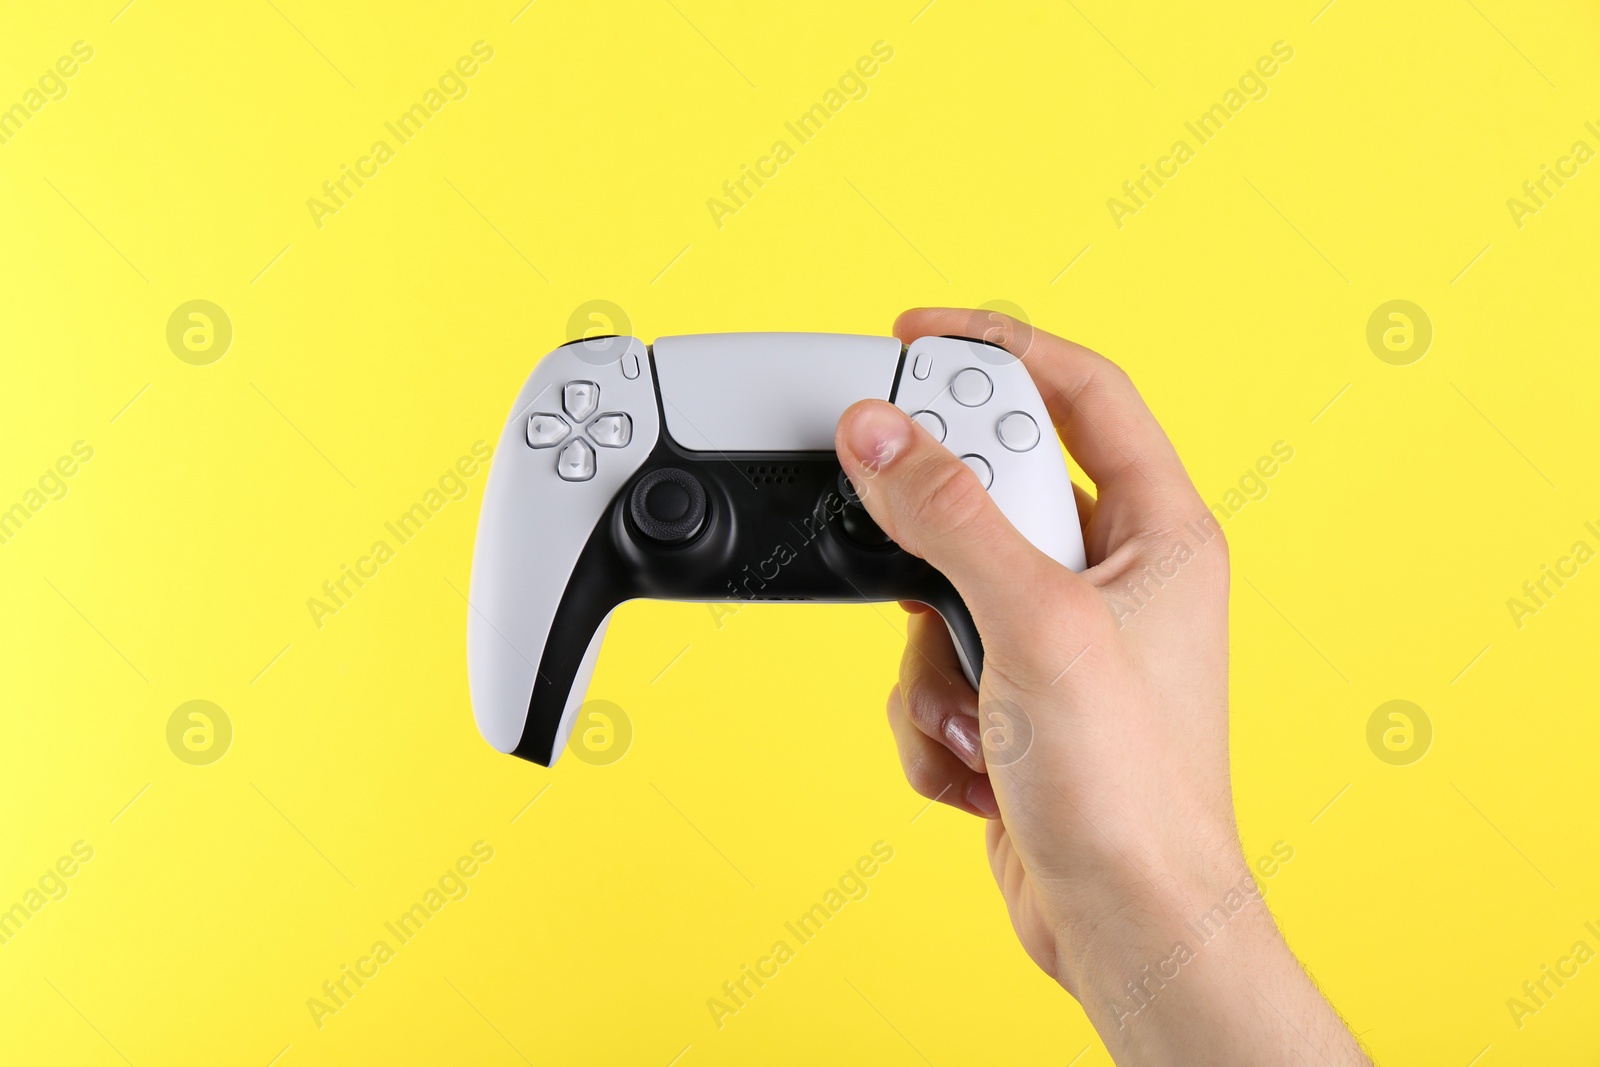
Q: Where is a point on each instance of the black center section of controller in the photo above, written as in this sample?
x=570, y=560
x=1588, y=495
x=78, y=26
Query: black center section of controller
x=729, y=528
x=858, y=525
x=668, y=505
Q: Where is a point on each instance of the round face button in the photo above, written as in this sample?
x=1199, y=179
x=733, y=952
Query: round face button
x=971, y=387
x=981, y=468
x=930, y=422
x=1018, y=431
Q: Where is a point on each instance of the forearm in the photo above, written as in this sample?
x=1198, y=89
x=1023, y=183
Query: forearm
x=1202, y=976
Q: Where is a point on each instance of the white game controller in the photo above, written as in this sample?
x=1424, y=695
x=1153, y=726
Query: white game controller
x=671, y=471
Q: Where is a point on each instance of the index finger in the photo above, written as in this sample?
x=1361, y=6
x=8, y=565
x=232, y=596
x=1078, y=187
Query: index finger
x=1102, y=419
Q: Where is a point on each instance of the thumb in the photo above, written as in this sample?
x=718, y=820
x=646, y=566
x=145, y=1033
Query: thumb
x=934, y=506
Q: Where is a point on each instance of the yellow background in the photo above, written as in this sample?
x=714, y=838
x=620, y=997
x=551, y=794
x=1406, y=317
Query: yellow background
x=370, y=353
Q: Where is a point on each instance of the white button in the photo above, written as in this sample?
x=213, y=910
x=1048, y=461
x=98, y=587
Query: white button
x=979, y=465
x=612, y=430
x=921, y=366
x=581, y=398
x=576, y=462
x=971, y=387
x=1018, y=431
x=545, y=429
x=630, y=366
x=931, y=422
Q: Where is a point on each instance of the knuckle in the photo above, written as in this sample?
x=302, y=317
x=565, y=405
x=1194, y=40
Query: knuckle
x=1219, y=549
x=1004, y=330
x=950, y=498
x=1114, y=373
x=924, y=775
x=926, y=707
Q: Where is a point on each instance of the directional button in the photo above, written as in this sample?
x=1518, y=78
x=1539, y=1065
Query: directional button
x=611, y=430
x=576, y=461
x=580, y=399
x=971, y=387
x=545, y=429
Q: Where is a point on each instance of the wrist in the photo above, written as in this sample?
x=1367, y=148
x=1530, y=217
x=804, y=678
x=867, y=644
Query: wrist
x=1148, y=918
x=1178, y=946
x=1194, y=970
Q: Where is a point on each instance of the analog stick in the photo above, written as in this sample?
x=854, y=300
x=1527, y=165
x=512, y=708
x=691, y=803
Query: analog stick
x=668, y=506
x=858, y=525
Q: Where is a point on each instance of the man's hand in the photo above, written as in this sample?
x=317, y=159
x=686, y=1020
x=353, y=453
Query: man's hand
x=1097, y=744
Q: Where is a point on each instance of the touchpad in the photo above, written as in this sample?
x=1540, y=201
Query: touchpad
x=767, y=392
